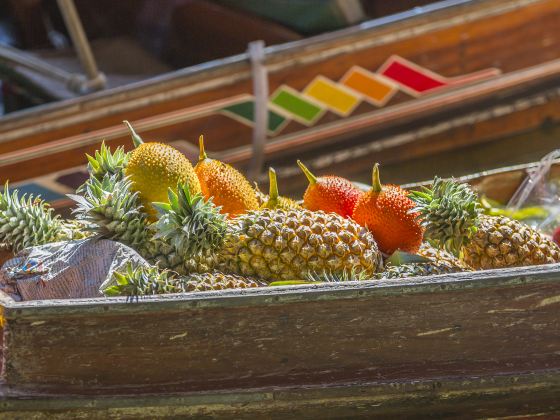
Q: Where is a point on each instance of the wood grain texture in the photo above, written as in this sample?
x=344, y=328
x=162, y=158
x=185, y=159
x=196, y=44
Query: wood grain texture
x=527, y=395
x=485, y=323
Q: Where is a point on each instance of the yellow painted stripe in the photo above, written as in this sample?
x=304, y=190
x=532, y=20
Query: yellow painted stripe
x=335, y=97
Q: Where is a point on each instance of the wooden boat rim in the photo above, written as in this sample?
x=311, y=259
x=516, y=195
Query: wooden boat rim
x=490, y=172
x=503, y=84
x=283, y=294
x=273, y=53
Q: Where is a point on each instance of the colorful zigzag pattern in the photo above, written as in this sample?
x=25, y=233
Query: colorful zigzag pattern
x=357, y=85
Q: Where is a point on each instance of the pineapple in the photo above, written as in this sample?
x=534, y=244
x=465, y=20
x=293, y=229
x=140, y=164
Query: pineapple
x=432, y=261
x=416, y=269
x=139, y=281
x=110, y=209
x=452, y=217
x=28, y=221
x=442, y=258
x=268, y=244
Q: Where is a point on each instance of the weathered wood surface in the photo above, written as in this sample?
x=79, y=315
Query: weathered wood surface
x=452, y=39
x=483, y=323
x=526, y=395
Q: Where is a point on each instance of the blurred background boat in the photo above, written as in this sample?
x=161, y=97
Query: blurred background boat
x=447, y=88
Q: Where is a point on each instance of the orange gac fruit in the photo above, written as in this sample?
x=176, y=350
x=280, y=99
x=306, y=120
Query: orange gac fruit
x=386, y=211
x=331, y=194
x=228, y=187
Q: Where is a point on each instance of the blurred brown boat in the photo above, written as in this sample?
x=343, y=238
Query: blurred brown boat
x=463, y=83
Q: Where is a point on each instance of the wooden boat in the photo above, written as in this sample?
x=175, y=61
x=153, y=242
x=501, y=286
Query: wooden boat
x=479, y=344
x=439, y=79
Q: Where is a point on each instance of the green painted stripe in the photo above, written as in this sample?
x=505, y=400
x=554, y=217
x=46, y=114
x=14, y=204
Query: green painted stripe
x=246, y=111
x=296, y=105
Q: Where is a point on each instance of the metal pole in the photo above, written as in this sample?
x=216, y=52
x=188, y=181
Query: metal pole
x=96, y=79
x=260, y=90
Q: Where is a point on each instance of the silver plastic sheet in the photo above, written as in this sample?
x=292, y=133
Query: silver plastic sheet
x=65, y=270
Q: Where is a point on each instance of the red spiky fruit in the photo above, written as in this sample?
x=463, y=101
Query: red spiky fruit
x=386, y=211
x=331, y=194
x=556, y=235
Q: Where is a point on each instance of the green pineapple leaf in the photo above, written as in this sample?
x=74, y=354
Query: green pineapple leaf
x=194, y=226
x=449, y=211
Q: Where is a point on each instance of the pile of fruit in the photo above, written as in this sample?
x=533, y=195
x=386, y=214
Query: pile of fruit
x=206, y=228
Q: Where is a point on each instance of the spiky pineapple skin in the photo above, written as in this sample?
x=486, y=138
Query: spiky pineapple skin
x=417, y=269
x=501, y=242
x=216, y=280
x=277, y=244
x=442, y=258
x=27, y=221
x=149, y=280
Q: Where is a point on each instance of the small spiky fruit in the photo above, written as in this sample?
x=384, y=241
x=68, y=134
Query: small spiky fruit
x=452, y=216
x=155, y=167
x=272, y=244
x=228, y=187
x=143, y=281
x=417, y=269
x=386, y=211
x=331, y=194
x=27, y=221
x=274, y=200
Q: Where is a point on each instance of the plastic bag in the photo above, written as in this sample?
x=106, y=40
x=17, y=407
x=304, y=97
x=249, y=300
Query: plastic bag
x=540, y=190
x=65, y=270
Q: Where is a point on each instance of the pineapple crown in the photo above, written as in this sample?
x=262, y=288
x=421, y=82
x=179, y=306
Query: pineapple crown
x=193, y=226
x=109, y=208
x=26, y=221
x=449, y=211
x=104, y=162
x=135, y=280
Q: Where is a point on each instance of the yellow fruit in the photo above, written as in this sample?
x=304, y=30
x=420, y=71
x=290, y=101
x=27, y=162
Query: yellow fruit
x=228, y=187
x=153, y=168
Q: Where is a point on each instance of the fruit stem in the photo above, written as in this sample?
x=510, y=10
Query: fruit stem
x=273, y=189
x=376, y=182
x=202, y=156
x=312, y=178
x=136, y=139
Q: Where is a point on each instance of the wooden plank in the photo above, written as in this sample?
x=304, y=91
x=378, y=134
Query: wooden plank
x=482, y=323
x=530, y=395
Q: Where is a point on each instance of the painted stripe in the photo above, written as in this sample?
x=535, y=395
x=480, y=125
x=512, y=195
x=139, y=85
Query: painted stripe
x=245, y=113
x=376, y=89
x=412, y=76
x=301, y=109
x=336, y=97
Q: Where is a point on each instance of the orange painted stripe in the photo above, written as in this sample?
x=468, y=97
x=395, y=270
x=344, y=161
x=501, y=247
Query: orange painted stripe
x=369, y=85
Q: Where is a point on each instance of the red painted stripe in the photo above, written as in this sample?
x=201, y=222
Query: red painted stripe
x=411, y=77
